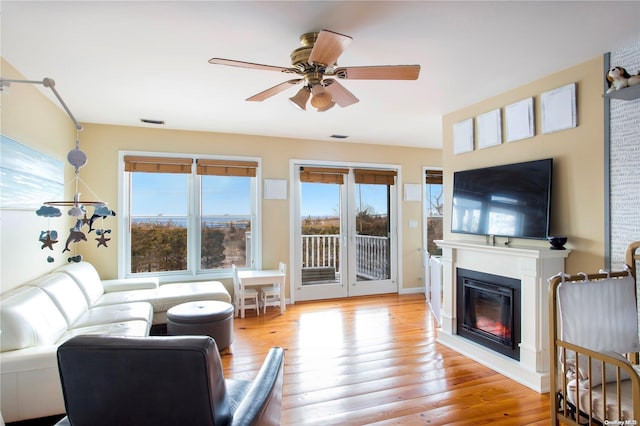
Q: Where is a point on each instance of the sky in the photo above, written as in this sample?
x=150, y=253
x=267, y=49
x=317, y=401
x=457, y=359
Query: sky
x=321, y=199
x=156, y=194
x=165, y=194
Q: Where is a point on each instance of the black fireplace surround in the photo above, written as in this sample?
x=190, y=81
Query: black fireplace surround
x=488, y=310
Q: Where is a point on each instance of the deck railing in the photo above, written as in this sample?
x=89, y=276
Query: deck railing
x=372, y=260
x=321, y=250
x=372, y=257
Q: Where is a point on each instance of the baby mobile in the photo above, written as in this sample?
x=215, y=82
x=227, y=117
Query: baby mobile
x=92, y=221
x=78, y=210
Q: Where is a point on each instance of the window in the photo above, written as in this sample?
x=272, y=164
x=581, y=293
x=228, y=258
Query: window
x=188, y=215
x=433, y=209
x=158, y=222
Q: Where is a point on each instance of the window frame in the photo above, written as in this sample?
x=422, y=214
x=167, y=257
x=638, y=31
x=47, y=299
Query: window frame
x=194, y=188
x=426, y=177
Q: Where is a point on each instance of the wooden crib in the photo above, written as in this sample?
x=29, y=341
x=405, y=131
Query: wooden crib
x=595, y=377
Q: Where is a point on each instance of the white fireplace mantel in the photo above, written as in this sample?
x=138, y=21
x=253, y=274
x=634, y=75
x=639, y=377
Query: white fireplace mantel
x=532, y=266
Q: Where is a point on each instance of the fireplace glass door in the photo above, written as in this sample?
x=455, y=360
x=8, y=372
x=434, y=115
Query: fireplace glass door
x=488, y=311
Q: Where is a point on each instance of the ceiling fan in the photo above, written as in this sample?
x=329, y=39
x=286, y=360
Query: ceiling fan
x=315, y=61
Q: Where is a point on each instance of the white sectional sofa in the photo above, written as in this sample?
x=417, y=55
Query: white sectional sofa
x=38, y=316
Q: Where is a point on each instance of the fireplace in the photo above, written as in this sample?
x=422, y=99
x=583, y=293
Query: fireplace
x=531, y=266
x=488, y=311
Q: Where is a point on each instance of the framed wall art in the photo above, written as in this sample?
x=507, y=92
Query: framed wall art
x=519, y=120
x=463, y=136
x=412, y=192
x=559, y=109
x=275, y=189
x=29, y=177
x=489, y=129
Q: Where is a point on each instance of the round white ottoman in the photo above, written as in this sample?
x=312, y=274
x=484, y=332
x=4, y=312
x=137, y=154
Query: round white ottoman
x=207, y=317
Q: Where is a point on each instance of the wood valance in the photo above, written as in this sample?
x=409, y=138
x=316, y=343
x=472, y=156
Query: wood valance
x=134, y=163
x=376, y=177
x=226, y=167
x=323, y=174
x=433, y=177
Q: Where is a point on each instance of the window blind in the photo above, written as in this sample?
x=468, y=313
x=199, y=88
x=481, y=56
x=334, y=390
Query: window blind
x=323, y=174
x=433, y=177
x=226, y=167
x=377, y=177
x=146, y=164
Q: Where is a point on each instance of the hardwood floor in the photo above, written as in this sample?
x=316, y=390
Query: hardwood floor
x=375, y=360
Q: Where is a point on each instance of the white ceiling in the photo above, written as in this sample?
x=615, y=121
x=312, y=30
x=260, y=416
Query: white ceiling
x=116, y=62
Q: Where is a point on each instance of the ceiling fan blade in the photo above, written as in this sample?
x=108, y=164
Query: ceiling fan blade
x=241, y=64
x=328, y=47
x=274, y=90
x=379, y=72
x=339, y=93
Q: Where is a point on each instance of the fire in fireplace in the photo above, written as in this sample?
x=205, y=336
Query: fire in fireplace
x=488, y=311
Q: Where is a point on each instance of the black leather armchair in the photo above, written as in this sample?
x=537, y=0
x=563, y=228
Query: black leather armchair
x=168, y=380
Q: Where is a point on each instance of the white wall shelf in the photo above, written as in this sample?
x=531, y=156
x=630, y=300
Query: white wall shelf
x=626, y=94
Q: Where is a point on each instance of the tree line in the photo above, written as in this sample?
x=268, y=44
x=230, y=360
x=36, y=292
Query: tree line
x=157, y=247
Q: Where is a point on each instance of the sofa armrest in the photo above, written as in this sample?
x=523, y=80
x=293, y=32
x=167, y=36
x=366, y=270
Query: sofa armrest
x=30, y=384
x=125, y=284
x=262, y=404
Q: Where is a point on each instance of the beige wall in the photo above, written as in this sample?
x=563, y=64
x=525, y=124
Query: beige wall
x=578, y=191
x=102, y=143
x=33, y=120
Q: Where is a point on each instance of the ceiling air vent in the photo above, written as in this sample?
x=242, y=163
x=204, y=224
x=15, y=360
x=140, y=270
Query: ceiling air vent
x=148, y=121
x=339, y=136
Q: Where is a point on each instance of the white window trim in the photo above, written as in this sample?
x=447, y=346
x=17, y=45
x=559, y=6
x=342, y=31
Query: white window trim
x=193, y=273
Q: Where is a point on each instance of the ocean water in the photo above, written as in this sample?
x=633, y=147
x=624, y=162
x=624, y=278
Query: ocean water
x=181, y=221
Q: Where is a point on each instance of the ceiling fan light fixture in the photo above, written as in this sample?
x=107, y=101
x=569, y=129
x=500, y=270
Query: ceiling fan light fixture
x=321, y=99
x=328, y=107
x=299, y=100
x=316, y=60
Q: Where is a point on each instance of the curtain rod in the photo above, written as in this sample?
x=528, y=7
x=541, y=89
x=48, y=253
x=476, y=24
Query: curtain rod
x=46, y=82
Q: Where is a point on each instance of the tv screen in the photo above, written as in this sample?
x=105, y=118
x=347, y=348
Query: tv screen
x=512, y=200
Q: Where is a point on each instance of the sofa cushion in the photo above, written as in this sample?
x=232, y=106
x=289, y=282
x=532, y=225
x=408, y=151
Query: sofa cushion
x=65, y=293
x=119, y=297
x=97, y=315
x=29, y=318
x=126, y=284
x=136, y=328
x=168, y=295
x=87, y=279
x=172, y=294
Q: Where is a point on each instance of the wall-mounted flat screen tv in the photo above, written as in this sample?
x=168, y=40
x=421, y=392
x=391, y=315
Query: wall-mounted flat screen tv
x=512, y=200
